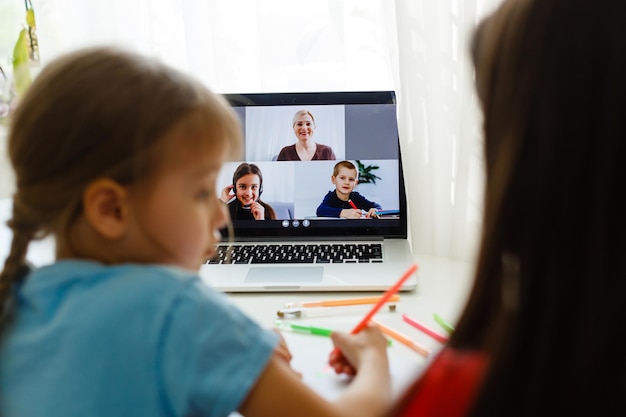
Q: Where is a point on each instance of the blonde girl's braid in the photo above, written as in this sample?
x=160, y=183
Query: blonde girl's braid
x=15, y=266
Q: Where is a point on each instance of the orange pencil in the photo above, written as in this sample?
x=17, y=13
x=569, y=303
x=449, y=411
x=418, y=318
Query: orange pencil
x=340, y=302
x=402, y=339
x=385, y=297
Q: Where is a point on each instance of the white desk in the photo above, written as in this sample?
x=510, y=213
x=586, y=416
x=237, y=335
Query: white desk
x=442, y=288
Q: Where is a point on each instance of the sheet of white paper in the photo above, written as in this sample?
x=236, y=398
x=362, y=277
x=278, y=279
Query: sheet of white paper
x=310, y=357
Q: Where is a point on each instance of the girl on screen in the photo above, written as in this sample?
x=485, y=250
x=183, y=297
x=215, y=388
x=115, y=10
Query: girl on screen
x=244, y=195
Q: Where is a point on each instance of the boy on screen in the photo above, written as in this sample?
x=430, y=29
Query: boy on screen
x=343, y=201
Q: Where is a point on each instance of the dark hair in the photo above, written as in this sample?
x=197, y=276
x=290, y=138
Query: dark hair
x=95, y=113
x=550, y=274
x=245, y=169
x=550, y=287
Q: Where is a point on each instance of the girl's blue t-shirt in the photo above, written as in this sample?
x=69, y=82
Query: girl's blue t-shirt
x=127, y=340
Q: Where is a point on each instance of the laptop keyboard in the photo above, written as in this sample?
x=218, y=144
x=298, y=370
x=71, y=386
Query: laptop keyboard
x=298, y=253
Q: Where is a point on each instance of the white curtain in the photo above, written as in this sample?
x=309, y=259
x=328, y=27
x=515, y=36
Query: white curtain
x=440, y=123
x=419, y=48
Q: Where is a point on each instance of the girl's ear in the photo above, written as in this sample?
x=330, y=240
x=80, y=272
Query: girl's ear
x=105, y=205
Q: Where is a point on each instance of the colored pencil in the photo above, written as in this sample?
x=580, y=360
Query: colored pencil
x=402, y=339
x=313, y=330
x=385, y=297
x=340, y=302
x=298, y=328
x=419, y=326
x=446, y=326
x=323, y=311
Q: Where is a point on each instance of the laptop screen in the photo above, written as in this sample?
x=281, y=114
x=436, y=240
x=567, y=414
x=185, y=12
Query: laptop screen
x=316, y=165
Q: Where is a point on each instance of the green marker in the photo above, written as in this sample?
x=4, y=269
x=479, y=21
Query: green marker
x=298, y=328
x=446, y=326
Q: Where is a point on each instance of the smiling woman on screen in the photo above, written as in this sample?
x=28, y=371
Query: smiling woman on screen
x=305, y=149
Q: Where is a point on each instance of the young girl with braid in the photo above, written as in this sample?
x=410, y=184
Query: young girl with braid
x=116, y=156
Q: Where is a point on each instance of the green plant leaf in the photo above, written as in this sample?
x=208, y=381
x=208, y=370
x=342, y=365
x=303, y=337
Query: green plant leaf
x=21, y=63
x=30, y=18
x=365, y=173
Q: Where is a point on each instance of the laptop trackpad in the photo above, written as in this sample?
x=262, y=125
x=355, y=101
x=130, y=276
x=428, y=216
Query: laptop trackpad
x=285, y=274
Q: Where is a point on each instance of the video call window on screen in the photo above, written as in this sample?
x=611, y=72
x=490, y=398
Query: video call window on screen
x=302, y=160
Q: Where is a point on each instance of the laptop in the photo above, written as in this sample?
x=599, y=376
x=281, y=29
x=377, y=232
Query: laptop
x=294, y=246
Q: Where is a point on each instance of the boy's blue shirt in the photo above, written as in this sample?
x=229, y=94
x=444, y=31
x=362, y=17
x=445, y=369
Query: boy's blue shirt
x=127, y=340
x=332, y=205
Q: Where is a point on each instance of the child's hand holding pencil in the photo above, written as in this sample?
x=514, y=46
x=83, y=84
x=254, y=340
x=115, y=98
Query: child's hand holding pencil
x=354, y=350
x=335, y=359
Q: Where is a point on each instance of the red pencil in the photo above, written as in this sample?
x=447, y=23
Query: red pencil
x=419, y=326
x=353, y=205
x=383, y=299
